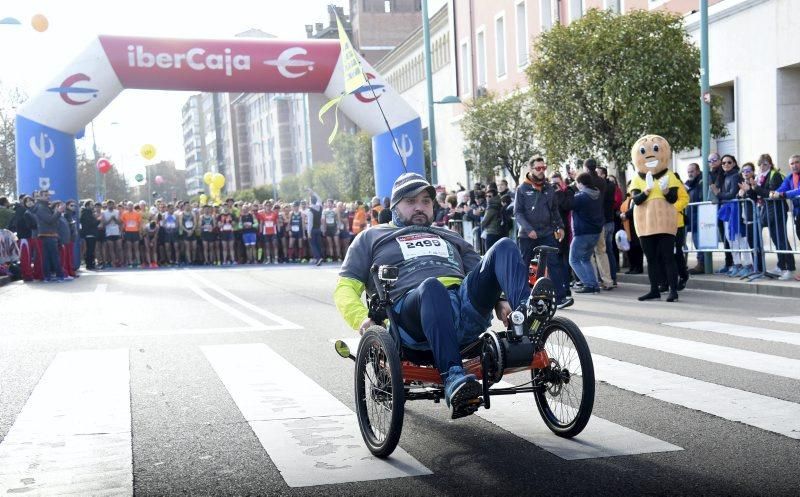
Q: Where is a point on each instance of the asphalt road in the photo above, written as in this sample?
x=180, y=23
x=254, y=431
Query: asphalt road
x=224, y=382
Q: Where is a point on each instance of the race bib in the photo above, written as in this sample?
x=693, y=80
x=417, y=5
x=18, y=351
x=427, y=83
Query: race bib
x=227, y=227
x=295, y=228
x=189, y=224
x=170, y=225
x=131, y=224
x=422, y=244
x=269, y=224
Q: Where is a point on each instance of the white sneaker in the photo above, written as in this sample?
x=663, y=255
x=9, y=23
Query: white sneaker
x=775, y=271
x=786, y=275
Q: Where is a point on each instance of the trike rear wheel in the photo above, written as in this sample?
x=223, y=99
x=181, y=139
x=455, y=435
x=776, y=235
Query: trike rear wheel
x=379, y=391
x=565, y=393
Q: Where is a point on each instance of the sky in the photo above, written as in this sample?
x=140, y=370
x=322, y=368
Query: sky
x=30, y=59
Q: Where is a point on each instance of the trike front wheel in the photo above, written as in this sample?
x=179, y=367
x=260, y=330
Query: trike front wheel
x=564, y=390
x=379, y=391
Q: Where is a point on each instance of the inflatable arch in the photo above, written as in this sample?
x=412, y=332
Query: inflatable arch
x=47, y=125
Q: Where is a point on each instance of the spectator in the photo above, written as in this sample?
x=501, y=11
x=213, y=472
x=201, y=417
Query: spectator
x=315, y=226
x=6, y=213
x=68, y=257
x=47, y=222
x=610, y=204
x=375, y=211
x=539, y=223
x=600, y=255
x=88, y=232
x=564, y=197
x=635, y=253
x=587, y=227
x=716, y=176
x=790, y=189
x=731, y=216
x=385, y=215
x=694, y=187
x=773, y=214
x=491, y=220
x=749, y=212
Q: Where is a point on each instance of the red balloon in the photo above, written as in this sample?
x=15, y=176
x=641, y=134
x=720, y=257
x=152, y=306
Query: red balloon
x=159, y=180
x=104, y=166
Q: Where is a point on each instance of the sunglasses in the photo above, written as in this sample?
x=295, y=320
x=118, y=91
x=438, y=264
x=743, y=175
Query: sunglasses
x=540, y=168
x=727, y=162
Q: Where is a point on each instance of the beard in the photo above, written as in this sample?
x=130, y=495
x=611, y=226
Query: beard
x=418, y=218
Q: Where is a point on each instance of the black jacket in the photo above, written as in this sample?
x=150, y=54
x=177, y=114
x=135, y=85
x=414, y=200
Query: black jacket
x=21, y=223
x=89, y=223
x=730, y=184
x=695, y=189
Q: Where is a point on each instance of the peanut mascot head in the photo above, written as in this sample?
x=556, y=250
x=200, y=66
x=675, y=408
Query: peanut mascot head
x=651, y=154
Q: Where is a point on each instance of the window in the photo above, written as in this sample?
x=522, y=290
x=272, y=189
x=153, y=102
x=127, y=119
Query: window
x=481, y=42
x=546, y=14
x=575, y=9
x=500, y=45
x=614, y=6
x=522, y=34
x=466, y=68
x=387, y=6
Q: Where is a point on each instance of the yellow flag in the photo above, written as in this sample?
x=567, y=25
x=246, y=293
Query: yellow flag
x=353, y=74
x=353, y=77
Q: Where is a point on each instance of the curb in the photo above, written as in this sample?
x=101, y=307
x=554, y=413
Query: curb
x=770, y=288
x=4, y=280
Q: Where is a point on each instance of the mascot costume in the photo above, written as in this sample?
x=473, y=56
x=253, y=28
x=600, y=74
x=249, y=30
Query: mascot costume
x=654, y=191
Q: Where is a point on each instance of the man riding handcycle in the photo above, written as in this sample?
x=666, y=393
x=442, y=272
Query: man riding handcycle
x=437, y=295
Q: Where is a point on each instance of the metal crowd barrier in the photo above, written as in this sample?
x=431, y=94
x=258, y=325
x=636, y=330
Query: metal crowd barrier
x=706, y=236
x=783, y=225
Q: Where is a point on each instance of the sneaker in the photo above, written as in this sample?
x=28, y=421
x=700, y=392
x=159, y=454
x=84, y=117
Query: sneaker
x=776, y=271
x=588, y=289
x=66, y=278
x=745, y=271
x=461, y=392
x=733, y=270
x=723, y=270
x=786, y=275
x=565, y=302
x=319, y=261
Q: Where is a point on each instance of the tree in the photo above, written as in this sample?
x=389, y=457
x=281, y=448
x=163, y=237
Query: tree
x=9, y=100
x=605, y=80
x=499, y=133
x=352, y=155
x=112, y=183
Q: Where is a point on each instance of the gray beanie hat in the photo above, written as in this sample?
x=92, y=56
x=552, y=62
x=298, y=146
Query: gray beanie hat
x=410, y=185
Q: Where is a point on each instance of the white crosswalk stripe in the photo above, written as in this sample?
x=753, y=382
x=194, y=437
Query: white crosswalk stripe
x=73, y=436
x=517, y=414
x=740, y=331
x=784, y=319
x=763, y=412
x=311, y=437
x=745, y=359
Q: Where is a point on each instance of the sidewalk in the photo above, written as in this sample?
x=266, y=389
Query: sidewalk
x=713, y=282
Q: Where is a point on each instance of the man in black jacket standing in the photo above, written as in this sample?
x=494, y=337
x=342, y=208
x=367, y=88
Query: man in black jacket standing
x=600, y=254
x=539, y=222
x=694, y=186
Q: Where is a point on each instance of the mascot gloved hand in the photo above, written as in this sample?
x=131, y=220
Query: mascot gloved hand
x=664, y=183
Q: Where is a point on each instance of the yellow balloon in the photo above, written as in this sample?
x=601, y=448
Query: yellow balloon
x=207, y=177
x=203, y=199
x=39, y=23
x=148, y=151
x=218, y=180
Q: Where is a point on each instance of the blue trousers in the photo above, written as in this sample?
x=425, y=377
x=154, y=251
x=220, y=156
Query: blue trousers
x=52, y=263
x=442, y=319
x=316, y=243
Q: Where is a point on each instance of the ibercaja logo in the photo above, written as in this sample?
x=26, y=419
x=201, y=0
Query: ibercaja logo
x=195, y=58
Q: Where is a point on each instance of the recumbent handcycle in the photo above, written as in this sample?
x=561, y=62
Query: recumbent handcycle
x=553, y=348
